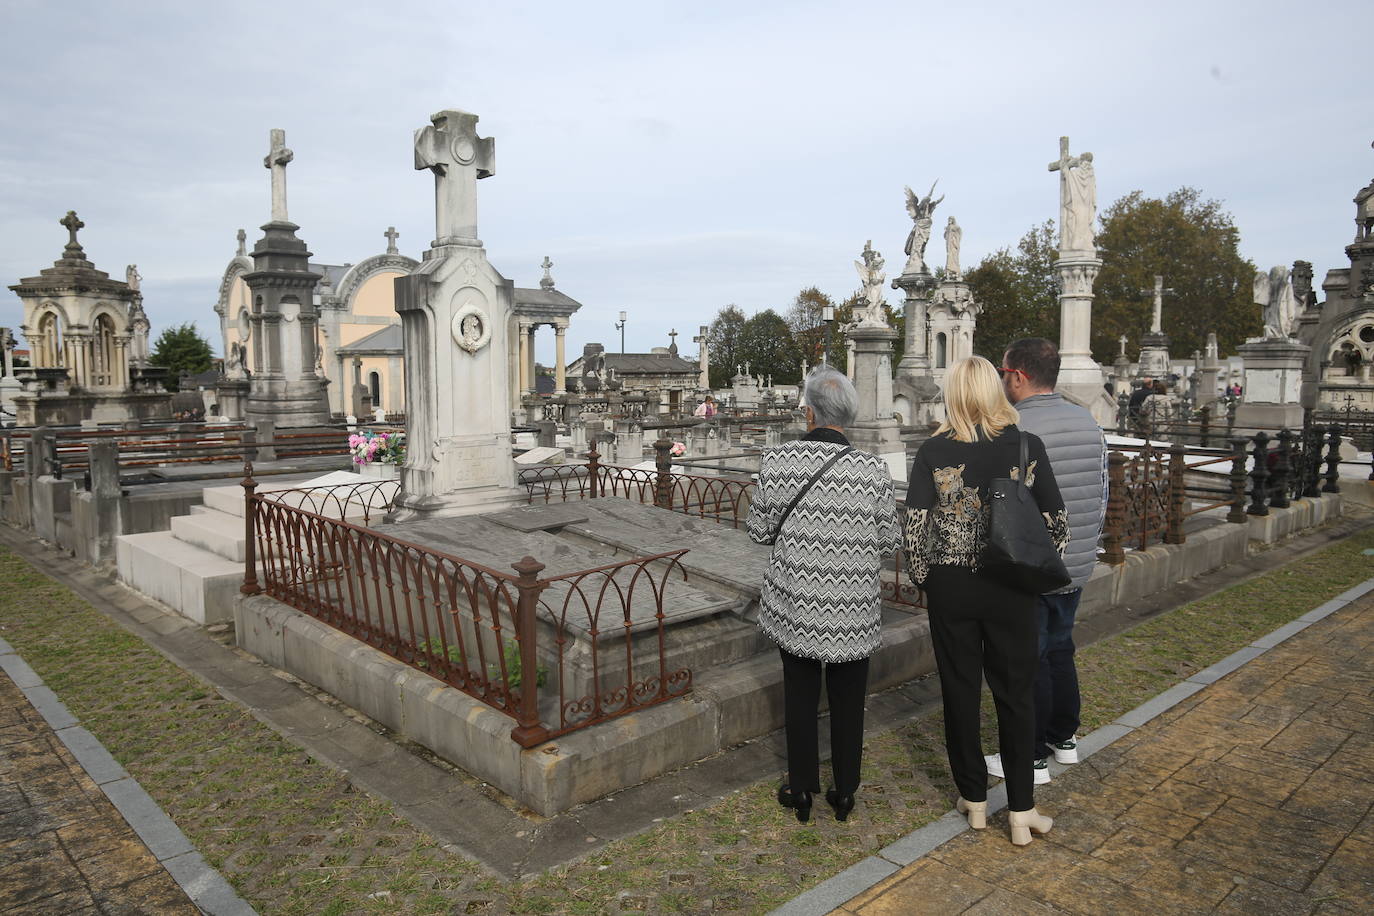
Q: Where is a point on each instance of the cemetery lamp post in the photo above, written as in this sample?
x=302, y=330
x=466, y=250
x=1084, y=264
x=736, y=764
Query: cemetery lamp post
x=620, y=326
x=828, y=316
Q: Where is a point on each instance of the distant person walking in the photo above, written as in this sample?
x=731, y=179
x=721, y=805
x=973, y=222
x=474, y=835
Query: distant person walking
x=980, y=626
x=820, y=600
x=1077, y=451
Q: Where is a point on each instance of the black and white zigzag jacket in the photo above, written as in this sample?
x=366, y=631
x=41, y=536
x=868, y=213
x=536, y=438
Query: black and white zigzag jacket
x=820, y=596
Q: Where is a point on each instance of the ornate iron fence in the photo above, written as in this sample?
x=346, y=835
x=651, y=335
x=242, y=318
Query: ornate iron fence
x=513, y=641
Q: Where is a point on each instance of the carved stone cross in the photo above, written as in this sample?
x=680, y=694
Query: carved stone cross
x=451, y=149
x=243, y=243
x=391, y=236
x=276, y=159
x=71, y=223
x=1123, y=344
x=547, y=281
x=673, y=335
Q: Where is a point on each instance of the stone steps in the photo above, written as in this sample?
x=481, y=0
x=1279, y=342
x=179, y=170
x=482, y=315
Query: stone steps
x=195, y=582
x=196, y=568
x=212, y=530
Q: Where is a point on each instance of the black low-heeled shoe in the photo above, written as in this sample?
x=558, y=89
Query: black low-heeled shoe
x=843, y=804
x=799, y=802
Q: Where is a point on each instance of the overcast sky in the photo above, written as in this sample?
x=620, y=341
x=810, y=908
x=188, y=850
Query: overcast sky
x=670, y=158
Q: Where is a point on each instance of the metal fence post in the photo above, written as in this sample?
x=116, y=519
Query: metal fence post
x=663, y=484
x=250, y=542
x=1333, y=459
x=1112, y=531
x=1178, y=469
x=1283, y=466
x=1259, y=476
x=528, y=732
x=1230, y=417
x=593, y=471
x=1206, y=431
x=1237, y=513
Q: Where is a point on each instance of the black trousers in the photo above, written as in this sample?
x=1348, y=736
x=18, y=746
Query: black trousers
x=845, y=686
x=981, y=629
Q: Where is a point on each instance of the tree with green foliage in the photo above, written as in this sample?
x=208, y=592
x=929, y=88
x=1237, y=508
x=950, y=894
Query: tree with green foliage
x=804, y=319
x=1195, y=246
x=765, y=343
x=1018, y=292
x=722, y=339
x=181, y=349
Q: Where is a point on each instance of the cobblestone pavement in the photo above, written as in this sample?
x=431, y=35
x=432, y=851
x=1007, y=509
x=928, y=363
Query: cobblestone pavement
x=1253, y=795
x=66, y=848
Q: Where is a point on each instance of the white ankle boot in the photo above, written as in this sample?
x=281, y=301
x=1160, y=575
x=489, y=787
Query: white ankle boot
x=977, y=812
x=1024, y=823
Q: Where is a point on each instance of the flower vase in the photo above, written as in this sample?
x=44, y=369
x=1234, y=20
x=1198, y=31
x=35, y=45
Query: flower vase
x=380, y=470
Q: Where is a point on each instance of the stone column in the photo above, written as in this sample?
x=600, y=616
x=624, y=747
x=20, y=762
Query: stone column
x=526, y=338
x=875, y=429
x=560, y=377
x=1079, y=375
x=916, y=357
x=534, y=383
x=703, y=359
x=849, y=358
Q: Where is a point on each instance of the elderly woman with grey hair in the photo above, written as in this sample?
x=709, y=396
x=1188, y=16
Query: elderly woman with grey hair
x=830, y=514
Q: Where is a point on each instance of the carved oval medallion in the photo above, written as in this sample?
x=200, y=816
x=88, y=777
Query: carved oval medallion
x=471, y=327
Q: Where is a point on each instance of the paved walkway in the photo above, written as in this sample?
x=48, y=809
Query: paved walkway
x=77, y=834
x=1246, y=789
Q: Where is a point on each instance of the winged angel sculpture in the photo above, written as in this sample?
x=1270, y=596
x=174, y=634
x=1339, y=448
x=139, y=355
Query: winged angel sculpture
x=920, y=210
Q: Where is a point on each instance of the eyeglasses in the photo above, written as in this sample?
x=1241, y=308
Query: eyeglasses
x=1004, y=371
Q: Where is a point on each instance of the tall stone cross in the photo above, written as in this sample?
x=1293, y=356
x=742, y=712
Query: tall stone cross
x=451, y=149
x=71, y=223
x=243, y=243
x=391, y=236
x=673, y=335
x=1156, y=325
x=276, y=159
x=1123, y=344
x=547, y=281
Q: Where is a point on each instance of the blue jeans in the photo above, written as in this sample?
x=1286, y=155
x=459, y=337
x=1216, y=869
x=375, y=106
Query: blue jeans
x=1057, y=703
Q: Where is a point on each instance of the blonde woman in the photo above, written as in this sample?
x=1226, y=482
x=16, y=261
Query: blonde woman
x=980, y=627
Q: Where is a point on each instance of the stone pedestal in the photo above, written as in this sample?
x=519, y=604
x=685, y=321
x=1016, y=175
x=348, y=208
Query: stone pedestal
x=232, y=395
x=1154, y=356
x=915, y=383
x=285, y=387
x=1270, y=394
x=1080, y=377
x=875, y=430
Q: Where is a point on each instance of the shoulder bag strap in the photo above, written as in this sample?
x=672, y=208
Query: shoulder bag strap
x=803, y=491
x=1025, y=457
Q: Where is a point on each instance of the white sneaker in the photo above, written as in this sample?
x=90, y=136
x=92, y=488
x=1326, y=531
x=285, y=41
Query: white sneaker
x=1066, y=751
x=1041, y=768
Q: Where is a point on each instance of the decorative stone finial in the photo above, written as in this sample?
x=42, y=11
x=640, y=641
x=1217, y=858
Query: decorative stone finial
x=243, y=244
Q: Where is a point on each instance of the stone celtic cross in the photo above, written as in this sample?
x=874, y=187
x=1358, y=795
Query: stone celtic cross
x=451, y=149
x=276, y=159
x=71, y=224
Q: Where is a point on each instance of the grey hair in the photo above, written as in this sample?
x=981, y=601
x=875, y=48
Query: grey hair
x=831, y=396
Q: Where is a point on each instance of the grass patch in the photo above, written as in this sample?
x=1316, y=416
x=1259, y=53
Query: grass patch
x=293, y=836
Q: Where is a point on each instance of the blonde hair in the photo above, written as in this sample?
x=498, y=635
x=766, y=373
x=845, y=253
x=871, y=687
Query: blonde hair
x=974, y=401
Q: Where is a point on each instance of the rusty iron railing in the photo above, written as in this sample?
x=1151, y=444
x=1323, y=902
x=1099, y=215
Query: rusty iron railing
x=556, y=653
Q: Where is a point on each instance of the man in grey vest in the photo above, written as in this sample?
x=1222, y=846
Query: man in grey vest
x=1078, y=454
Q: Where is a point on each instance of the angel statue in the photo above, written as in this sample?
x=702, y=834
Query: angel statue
x=871, y=278
x=920, y=210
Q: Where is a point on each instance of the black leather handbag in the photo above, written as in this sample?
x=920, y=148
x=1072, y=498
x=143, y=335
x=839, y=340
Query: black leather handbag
x=1019, y=552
